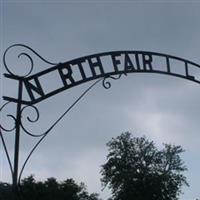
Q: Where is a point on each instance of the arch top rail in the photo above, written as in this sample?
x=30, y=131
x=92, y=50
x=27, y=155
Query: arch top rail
x=95, y=66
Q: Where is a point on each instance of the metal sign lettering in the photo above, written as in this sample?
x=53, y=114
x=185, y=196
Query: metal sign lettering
x=92, y=67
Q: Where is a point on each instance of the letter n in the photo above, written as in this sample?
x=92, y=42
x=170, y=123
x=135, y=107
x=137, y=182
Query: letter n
x=30, y=87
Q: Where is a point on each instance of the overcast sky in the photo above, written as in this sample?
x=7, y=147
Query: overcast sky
x=164, y=108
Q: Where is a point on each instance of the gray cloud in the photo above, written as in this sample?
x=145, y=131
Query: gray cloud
x=164, y=108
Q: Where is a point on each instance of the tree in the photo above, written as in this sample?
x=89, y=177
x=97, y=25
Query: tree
x=50, y=189
x=136, y=169
x=5, y=191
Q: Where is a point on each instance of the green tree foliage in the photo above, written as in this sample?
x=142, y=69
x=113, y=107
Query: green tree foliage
x=137, y=170
x=5, y=191
x=50, y=189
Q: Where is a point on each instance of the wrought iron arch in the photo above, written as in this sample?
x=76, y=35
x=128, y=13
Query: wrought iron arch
x=73, y=73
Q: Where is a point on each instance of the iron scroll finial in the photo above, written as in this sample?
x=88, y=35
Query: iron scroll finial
x=107, y=84
x=25, y=55
x=2, y=127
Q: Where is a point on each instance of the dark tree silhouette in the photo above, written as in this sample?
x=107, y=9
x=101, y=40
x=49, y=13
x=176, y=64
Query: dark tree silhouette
x=50, y=189
x=5, y=191
x=136, y=169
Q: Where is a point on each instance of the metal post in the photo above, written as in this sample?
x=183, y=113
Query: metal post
x=17, y=140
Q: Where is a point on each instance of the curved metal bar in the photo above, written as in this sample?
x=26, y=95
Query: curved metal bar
x=11, y=116
x=107, y=84
x=132, y=52
x=26, y=55
x=6, y=151
x=32, y=121
x=140, y=65
x=54, y=124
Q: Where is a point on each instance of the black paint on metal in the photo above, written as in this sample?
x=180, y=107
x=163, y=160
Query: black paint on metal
x=65, y=71
x=17, y=137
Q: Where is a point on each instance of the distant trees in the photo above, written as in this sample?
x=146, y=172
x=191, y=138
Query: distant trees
x=137, y=170
x=50, y=189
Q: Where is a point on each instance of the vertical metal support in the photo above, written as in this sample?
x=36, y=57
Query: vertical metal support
x=17, y=139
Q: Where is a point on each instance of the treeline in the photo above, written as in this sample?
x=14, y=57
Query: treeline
x=51, y=189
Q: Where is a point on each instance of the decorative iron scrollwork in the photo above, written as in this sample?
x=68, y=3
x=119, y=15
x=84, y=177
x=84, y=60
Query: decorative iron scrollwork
x=23, y=54
x=8, y=116
x=107, y=84
x=31, y=120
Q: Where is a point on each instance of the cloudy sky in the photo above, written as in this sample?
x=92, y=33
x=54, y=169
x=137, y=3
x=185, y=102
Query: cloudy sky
x=164, y=108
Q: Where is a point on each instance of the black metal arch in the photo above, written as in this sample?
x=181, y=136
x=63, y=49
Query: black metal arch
x=94, y=66
x=102, y=67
